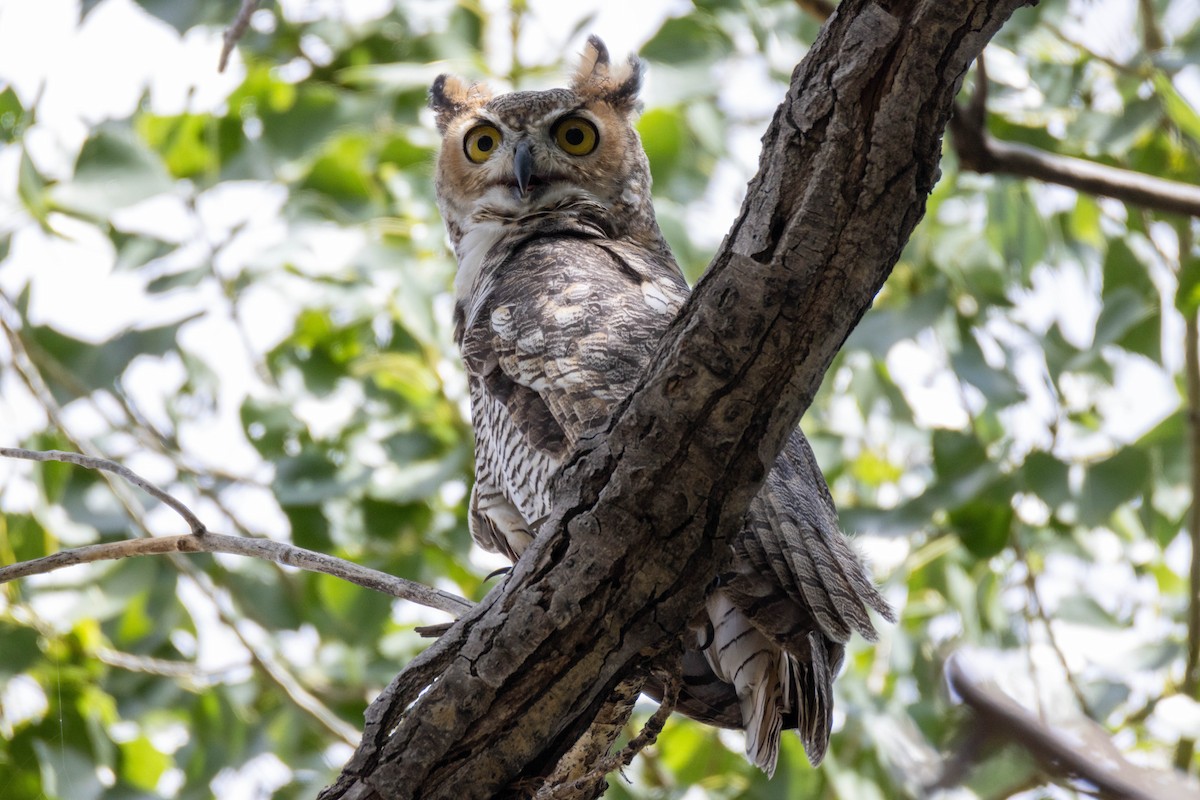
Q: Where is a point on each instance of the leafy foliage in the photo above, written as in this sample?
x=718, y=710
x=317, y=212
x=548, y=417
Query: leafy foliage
x=241, y=290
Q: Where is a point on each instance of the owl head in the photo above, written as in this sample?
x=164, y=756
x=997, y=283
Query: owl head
x=540, y=158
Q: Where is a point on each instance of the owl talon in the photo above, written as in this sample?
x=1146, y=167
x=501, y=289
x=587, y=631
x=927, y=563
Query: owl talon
x=432, y=631
x=709, y=634
x=495, y=572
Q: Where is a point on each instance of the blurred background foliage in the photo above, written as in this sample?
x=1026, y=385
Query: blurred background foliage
x=238, y=285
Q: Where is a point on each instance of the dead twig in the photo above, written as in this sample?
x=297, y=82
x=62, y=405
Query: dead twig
x=200, y=540
x=236, y=31
x=267, y=549
x=91, y=462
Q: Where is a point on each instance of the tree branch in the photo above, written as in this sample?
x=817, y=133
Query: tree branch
x=642, y=514
x=91, y=462
x=236, y=30
x=1084, y=752
x=979, y=152
x=266, y=549
x=203, y=541
x=227, y=609
x=1191, y=671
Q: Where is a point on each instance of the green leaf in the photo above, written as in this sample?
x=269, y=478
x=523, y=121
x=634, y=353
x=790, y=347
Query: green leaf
x=983, y=527
x=1047, y=477
x=67, y=772
x=98, y=366
x=1177, y=107
x=881, y=328
x=1085, y=611
x=1110, y=483
x=1187, y=296
x=184, y=279
x=342, y=171
x=12, y=115
x=135, y=251
x=20, y=651
x=663, y=132
x=999, y=387
x=114, y=170
x=186, y=142
x=141, y=764
x=298, y=123
x=363, y=612
x=31, y=188
x=22, y=538
x=392, y=77
x=695, y=37
x=955, y=452
x=1123, y=309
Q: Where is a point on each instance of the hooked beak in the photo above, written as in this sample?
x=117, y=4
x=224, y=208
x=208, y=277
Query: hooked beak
x=523, y=165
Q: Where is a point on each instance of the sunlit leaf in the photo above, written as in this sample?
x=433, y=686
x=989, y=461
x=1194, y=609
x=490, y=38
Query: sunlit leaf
x=114, y=170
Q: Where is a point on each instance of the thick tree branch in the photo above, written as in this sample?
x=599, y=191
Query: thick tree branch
x=979, y=152
x=642, y=513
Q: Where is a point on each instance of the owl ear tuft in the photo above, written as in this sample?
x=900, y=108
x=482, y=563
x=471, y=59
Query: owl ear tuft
x=597, y=79
x=450, y=96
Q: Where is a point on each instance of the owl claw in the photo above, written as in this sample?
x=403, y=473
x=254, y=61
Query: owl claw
x=709, y=634
x=495, y=572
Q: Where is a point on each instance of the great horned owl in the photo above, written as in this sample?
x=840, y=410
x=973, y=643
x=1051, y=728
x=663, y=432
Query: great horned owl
x=564, y=287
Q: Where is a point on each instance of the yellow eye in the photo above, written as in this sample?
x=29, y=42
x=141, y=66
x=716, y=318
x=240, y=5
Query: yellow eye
x=481, y=142
x=576, y=135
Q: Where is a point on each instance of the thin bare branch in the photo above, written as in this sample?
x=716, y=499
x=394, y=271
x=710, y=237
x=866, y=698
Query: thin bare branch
x=230, y=615
x=980, y=152
x=1191, y=673
x=592, y=783
x=1040, y=611
x=236, y=31
x=162, y=667
x=1152, y=38
x=106, y=465
x=267, y=549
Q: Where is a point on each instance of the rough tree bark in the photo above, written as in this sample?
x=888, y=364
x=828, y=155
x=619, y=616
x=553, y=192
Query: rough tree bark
x=641, y=513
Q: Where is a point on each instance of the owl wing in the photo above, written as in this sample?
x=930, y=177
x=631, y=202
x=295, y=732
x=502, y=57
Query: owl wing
x=795, y=579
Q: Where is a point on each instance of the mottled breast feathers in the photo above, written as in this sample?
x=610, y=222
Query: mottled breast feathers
x=564, y=289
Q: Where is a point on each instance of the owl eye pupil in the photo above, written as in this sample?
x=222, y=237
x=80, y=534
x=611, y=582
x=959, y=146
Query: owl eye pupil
x=484, y=143
x=574, y=136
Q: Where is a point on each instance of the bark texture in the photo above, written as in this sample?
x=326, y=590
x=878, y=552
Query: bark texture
x=642, y=513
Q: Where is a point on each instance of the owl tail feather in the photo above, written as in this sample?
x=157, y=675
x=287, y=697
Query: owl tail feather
x=814, y=711
x=761, y=675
